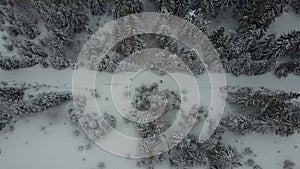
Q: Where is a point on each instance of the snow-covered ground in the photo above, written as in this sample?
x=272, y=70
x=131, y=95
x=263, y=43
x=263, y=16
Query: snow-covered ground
x=46, y=140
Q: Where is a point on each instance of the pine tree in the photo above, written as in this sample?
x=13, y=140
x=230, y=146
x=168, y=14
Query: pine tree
x=245, y=66
x=164, y=5
x=126, y=7
x=259, y=49
x=261, y=17
x=284, y=69
x=268, y=111
x=240, y=8
x=190, y=58
x=164, y=40
x=181, y=7
x=295, y=5
x=97, y=7
x=271, y=48
x=210, y=8
x=224, y=156
x=218, y=38
x=11, y=93
x=133, y=43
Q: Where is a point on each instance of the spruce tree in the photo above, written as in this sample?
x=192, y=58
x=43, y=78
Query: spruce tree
x=126, y=7
x=261, y=17
x=283, y=69
x=97, y=7
x=295, y=5
x=267, y=111
x=181, y=7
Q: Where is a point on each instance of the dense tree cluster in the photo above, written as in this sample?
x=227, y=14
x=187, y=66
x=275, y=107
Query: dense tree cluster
x=264, y=111
x=295, y=5
x=126, y=7
x=11, y=93
x=260, y=16
x=284, y=69
x=248, y=51
x=97, y=126
x=189, y=152
x=14, y=104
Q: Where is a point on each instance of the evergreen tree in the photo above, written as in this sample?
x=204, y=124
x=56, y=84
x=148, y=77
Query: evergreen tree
x=295, y=5
x=163, y=39
x=164, y=5
x=271, y=48
x=284, y=69
x=244, y=65
x=190, y=58
x=267, y=111
x=261, y=17
x=210, y=8
x=224, y=156
x=97, y=7
x=11, y=93
x=181, y=7
x=240, y=8
x=259, y=50
x=218, y=38
x=126, y=7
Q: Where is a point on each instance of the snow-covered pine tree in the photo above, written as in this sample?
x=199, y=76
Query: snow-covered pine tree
x=97, y=7
x=59, y=62
x=181, y=8
x=2, y=20
x=188, y=153
x=224, y=156
x=14, y=62
x=210, y=8
x=190, y=58
x=261, y=17
x=268, y=111
x=218, y=38
x=50, y=99
x=133, y=43
x=295, y=5
x=11, y=93
x=164, y=5
x=259, y=49
x=283, y=69
x=126, y=7
x=271, y=48
x=163, y=39
x=32, y=50
x=239, y=7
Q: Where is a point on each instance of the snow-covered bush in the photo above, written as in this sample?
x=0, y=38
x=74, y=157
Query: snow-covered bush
x=151, y=129
x=97, y=126
x=288, y=164
x=224, y=156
